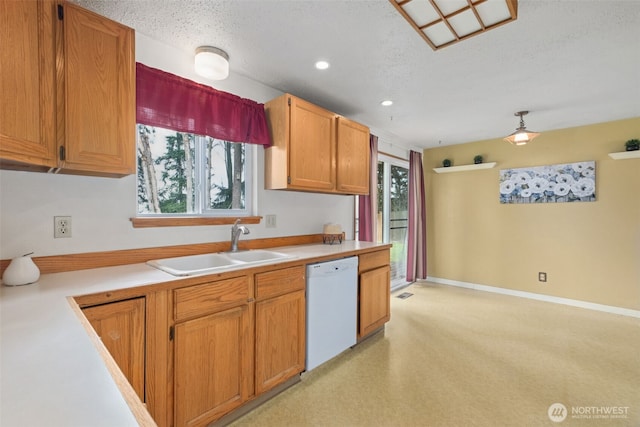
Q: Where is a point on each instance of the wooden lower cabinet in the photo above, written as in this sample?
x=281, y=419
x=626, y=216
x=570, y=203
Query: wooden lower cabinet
x=280, y=339
x=374, y=292
x=121, y=327
x=229, y=349
x=197, y=353
x=280, y=326
x=375, y=297
x=213, y=366
x=213, y=349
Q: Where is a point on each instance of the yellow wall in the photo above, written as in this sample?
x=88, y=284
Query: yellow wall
x=590, y=250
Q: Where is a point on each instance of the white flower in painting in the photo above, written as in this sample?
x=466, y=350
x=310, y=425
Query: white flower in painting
x=546, y=171
x=564, y=178
x=526, y=192
x=584, y=187
x=581, y=166
x=589, y=172
x=507, y=187
x=522, y=178
x=538, y=185
x=561, y=189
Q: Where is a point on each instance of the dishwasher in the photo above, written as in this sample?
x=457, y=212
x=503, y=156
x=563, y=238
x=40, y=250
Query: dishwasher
x=332, y=308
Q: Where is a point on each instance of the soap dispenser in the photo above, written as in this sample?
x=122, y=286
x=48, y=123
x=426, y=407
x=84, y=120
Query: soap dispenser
x=21, y=271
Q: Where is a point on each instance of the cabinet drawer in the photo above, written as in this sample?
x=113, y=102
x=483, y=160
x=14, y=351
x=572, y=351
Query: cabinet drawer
x=279, y=282
x=372, y=260
x=211, y=297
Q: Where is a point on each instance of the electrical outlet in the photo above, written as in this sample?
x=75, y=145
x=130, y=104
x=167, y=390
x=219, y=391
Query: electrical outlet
x=61, y=226
x=542, y=276
x=270, y=221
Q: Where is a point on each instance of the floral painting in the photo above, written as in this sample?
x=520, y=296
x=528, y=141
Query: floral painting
x=572, y=182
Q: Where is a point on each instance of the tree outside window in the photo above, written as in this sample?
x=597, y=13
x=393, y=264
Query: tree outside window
x=182, y=173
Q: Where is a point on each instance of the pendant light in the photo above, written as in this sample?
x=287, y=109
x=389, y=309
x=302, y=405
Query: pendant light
x=521, y=136
x=212, y=63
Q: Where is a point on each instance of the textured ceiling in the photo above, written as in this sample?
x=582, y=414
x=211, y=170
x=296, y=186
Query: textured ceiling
x=570, y=62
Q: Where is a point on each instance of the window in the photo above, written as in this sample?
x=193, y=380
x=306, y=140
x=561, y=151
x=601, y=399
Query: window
x=182, y=173
x=195, y=147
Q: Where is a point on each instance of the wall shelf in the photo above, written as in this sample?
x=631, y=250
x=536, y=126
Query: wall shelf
x=465, y=168
x=625, y=155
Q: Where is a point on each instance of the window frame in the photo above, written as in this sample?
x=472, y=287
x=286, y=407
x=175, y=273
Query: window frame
x=203, y=215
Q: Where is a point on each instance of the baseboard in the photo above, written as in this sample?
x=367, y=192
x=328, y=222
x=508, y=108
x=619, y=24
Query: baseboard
x=539, y=297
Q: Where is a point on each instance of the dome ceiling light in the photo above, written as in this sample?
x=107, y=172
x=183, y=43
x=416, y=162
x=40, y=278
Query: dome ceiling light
x=212, y=63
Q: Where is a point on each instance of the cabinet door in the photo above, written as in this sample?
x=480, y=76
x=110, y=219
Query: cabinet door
x=353, y=153
x=120, y=326
x=375, y=299
x=213, y=366
x=27, y=83
x=99, y=94
x=312, y=146
x=280, y=339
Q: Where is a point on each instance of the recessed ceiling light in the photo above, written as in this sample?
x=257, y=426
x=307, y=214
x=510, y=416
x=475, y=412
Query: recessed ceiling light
x=386, y=102
x=322, y=65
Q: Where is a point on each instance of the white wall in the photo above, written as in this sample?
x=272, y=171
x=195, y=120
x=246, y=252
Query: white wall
x=101, y=207
x=386, y=147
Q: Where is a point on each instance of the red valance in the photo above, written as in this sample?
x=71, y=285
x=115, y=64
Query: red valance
x=172, y=102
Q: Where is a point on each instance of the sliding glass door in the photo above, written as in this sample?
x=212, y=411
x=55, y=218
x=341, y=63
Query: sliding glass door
x=393, y=199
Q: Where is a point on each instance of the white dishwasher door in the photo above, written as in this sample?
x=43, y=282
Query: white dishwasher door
x=332, y=309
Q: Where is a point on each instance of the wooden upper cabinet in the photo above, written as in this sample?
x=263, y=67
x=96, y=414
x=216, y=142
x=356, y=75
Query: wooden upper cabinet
x=314, y=149
x=311, y=146
x=353, y=154
x=98, y=83
x=27, y=82
x=68, y=90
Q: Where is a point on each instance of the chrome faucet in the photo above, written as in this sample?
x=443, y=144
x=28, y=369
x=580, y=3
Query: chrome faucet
x=235, y=234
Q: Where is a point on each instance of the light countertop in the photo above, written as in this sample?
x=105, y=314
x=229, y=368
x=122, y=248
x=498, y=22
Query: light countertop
x=50, y=371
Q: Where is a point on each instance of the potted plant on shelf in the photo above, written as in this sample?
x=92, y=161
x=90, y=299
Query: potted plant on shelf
x=446, y=163
x=477, y=159
x=632, y=145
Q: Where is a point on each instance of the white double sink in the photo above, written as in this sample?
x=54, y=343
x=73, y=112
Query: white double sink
x=216, y=262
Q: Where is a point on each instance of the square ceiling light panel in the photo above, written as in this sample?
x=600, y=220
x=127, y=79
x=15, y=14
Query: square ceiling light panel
x=444, y=22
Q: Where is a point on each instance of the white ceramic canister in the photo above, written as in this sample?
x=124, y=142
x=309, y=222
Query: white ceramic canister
x=21, y=271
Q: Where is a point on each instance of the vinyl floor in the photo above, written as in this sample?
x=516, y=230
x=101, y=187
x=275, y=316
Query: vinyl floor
x=459, y=357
